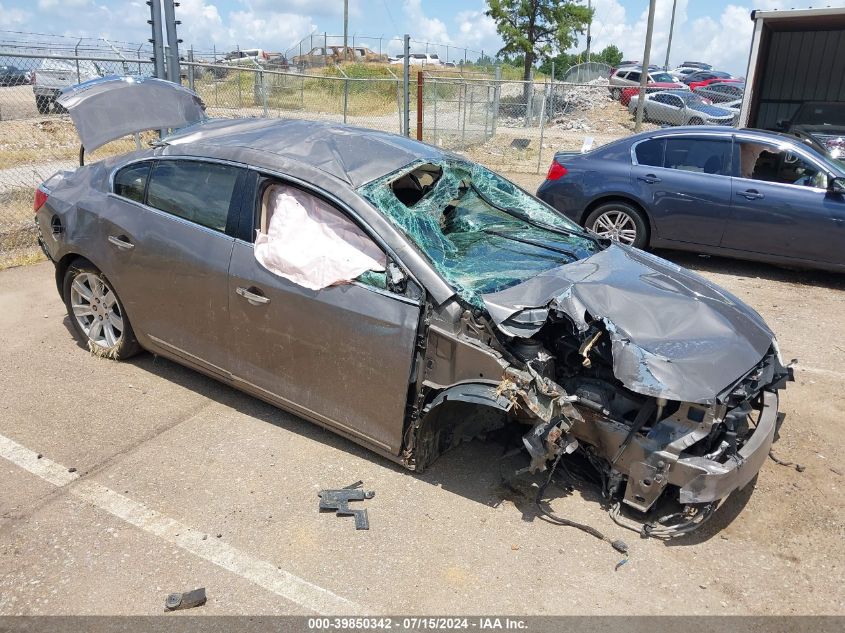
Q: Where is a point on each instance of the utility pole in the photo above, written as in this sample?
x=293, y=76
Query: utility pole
x=406, y=86
x=671, y=29
x=170, y=21
x=589, y=37
x=644, y=74
x=345, y=28
x=158, y=45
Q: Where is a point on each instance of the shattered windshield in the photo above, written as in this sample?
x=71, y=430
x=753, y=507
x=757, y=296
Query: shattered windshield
x=481, y=232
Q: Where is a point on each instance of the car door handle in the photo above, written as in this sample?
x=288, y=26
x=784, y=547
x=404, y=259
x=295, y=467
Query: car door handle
x=649, y=178
x=251, y=295
x=750, y=194
x=121, y=241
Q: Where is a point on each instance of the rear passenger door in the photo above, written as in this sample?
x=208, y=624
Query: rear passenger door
x=169, y=240
x=685, y=182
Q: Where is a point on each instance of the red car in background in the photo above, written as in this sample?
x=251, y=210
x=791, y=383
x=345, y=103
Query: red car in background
x=715, y=80
x=654, y=86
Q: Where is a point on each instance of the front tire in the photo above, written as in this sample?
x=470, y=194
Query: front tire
x=96, y=313
x=620, y=222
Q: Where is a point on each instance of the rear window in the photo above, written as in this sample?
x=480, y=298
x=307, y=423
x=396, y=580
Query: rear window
x=650, y=153
x=698, y=155
x=195, y=191
x=131, y=181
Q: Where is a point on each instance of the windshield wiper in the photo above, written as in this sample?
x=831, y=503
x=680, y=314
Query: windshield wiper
x=522, y=240
x=519, y=215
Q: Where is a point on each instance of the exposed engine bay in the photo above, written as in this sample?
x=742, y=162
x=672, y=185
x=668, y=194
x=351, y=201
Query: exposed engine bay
x=647, y=453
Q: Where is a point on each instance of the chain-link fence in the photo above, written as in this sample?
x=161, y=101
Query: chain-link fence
x=511, y=126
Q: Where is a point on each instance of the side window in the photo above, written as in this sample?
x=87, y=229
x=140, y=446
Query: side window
x=760, y=161
x=196, y=191
x=698, y=155
x=308, y=241
x=633, y=76
x=622, y=74
x=674, y=101
x=131, y=181
x=659, y=98
x=650, y=153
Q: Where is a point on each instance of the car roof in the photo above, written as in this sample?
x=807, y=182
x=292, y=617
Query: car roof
x=354, y=155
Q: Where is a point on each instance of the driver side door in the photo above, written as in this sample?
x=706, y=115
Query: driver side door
x=341, y=356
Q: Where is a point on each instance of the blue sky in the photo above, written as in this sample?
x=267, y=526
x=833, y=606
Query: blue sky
x=717, y=31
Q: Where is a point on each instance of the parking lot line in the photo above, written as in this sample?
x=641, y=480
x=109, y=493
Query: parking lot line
x=262, y=573
x=47, y=469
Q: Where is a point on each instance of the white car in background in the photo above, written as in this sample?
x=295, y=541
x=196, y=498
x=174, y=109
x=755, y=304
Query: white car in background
x=55, y=74
x=418, y=59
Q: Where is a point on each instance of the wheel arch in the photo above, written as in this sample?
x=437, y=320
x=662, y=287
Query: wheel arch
x=62, y=266
x=457, y=414
x=639, y=206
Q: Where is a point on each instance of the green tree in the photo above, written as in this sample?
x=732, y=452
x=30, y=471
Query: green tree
x=610, y=55
x=536, y=28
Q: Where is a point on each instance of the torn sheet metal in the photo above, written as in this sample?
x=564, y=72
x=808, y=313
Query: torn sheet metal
x=311, y=244
x=109, y=108
x=674, y=334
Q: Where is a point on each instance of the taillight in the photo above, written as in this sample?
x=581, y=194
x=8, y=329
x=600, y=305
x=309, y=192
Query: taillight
x=556, y=171
x=40, y=198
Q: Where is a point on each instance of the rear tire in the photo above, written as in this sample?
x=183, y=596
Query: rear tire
x=96, y=314
x=620, y=222
x=43, y=104
x=616, y=93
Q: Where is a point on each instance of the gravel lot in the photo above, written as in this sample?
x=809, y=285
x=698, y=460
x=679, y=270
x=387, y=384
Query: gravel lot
x=182, y=482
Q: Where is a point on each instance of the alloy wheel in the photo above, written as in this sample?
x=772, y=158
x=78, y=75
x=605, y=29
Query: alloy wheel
x=616, y=225
x=96, y=310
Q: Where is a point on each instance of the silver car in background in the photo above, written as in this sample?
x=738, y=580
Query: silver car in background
x=721, y=92
x=681, y=107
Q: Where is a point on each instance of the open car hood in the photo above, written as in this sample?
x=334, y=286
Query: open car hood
x=109, y=108
x=674, y=334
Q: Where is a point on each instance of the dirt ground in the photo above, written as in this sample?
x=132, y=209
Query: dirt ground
x=182, y=482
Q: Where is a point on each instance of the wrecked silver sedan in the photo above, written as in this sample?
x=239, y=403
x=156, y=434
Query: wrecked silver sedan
x=409, y=300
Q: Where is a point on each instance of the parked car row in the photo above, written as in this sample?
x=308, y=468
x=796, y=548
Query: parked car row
x=692, y=94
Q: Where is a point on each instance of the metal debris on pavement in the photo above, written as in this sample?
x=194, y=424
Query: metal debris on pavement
x=185, y=600
x=338, y=501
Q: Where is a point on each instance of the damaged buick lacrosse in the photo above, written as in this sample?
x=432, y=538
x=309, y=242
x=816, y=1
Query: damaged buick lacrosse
x=407, y=299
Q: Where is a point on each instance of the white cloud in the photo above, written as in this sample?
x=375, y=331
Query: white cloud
x=12, y=17
x=723, y=39
x=425, y=29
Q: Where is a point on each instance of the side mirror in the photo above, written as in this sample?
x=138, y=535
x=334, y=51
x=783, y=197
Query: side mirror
x=782, y=125
x=837, y=185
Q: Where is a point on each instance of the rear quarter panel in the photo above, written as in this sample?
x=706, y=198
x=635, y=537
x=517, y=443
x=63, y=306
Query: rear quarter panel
x=603, y=174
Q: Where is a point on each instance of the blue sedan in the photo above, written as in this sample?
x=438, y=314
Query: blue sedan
x=740, y=193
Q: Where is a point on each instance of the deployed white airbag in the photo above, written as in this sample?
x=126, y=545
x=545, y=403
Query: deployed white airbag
x=311, y=244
